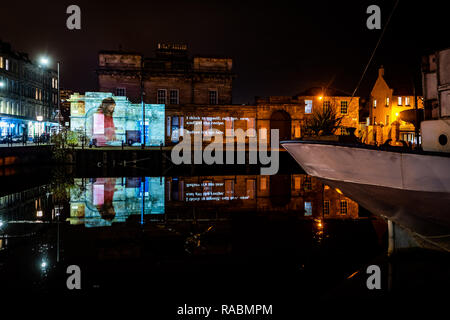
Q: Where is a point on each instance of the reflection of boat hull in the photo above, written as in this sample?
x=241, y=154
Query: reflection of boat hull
x=424, y=214
x=411, y=189
x=368, y=165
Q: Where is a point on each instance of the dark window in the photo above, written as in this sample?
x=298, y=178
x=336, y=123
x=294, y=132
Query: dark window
x=326, y=207
x=212, y=96
x=161, y=96
x=344, y=206
x=344, y=107
x=173, y=98
x=121, y=92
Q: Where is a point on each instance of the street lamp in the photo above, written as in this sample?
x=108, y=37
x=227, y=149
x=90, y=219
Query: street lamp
x=45, y=61
x=2, y=84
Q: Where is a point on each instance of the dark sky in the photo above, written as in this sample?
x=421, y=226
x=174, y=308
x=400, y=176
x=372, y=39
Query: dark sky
x=279, y=47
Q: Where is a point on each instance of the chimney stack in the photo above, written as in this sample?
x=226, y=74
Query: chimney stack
x=381, y=72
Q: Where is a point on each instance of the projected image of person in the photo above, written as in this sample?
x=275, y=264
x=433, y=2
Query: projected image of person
x=103, y=127
x=103, y=196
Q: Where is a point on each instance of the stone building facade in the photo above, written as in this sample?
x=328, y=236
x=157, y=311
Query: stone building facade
x=198, y=90
x=388, y=98
x=290, y=114
x=172, y=77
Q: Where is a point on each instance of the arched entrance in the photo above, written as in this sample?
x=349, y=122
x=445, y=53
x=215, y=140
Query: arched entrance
x=280, y=190
x=281, y=120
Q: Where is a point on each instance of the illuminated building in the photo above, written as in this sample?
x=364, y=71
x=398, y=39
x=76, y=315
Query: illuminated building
x=28, y=95
x=199, y=90
x=108, y=120
x=290, y=114
x=389, y=97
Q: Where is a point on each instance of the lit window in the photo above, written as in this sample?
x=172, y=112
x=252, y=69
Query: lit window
x=308, y=209
x=121, y=92
x=297, y=131
x=229, y=188
x=308, y=106
x=387, y=102
x=297, y=183
x=6, y=64
x=326, y=105
x=251, y=125
x=161, y=96
x=175, y=129
x=169, y=122
x=207, y=188
x=263, y=183
x=173, y=96
x=326, y=207
x=1, y=62
x=212, y=96
x=344, y=107
x=251, y=188
x=399, y=101
x=407, y=101
x=375, y=103
x=344, y=207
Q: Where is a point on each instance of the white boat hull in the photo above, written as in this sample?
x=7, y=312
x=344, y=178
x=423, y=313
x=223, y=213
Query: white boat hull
x=410, y=189
x=406, y=171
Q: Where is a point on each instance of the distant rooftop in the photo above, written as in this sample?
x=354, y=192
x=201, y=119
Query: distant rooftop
x=321, y=91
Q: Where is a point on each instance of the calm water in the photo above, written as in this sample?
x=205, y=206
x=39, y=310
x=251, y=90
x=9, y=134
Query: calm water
x=197, y=237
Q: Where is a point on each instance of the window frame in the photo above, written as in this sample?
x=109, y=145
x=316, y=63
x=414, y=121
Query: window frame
x=177, y=91
x=344, y=106
x=216, y=101
x=158, y=101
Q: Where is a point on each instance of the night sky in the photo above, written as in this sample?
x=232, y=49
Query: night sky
x=279, y=47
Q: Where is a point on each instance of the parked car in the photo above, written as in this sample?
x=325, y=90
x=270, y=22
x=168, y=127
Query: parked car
x=4, y=139
x=17, y=139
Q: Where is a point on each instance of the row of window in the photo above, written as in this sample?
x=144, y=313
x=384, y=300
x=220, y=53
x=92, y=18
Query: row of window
x=4, y=63
x=27, y=74
x=16, y=109
x=326, y=106
x=400, y=101
x=31, y=92
x=172, y=96
x=343, y=209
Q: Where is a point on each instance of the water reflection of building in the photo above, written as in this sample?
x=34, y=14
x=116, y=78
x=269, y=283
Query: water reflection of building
x=27, y=205
x=101, y=201
x=297, y=193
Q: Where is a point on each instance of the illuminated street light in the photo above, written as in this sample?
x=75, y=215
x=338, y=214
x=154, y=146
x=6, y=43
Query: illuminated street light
x=44, y=61
x=320, y=97
x=2, y=84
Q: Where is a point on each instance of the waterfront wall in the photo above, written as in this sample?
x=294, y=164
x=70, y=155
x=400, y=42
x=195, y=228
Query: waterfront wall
x=25, y=155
